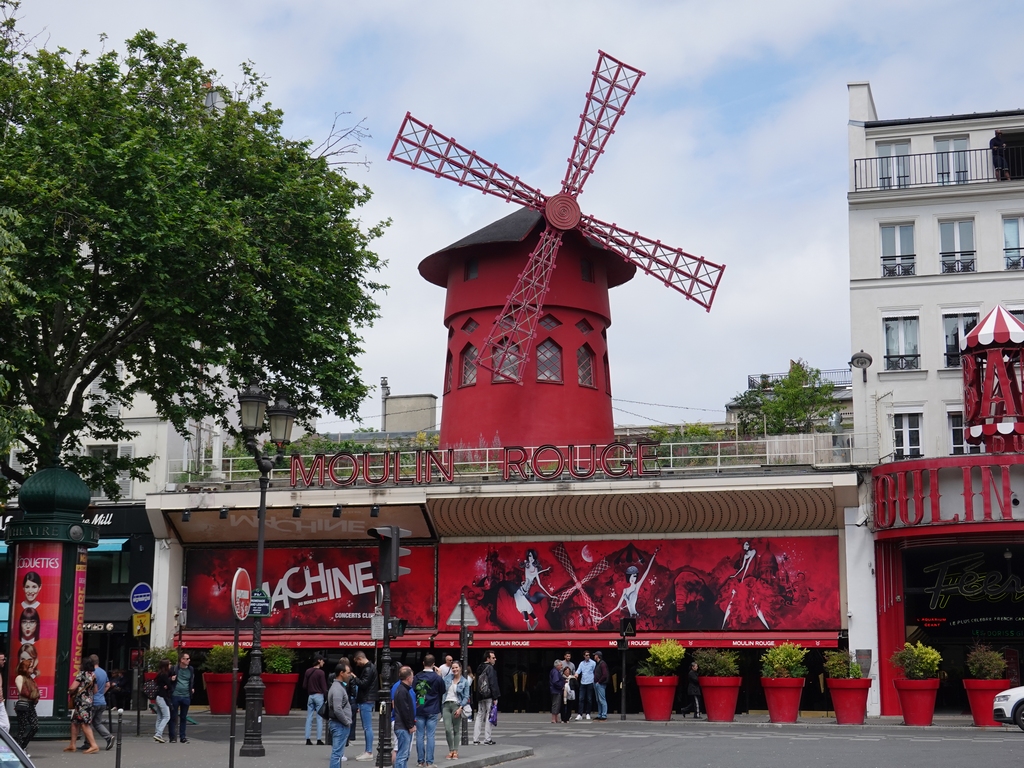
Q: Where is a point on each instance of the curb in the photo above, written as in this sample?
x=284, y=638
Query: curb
x=494, y=759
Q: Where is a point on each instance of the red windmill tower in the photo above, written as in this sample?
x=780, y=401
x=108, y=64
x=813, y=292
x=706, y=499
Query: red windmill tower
x=565, y=398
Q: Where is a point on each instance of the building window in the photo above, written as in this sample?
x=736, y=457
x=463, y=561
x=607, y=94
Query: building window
x=956, y=327
x=898, y=250
x=956, y=246
x=901, y=344
x=124, y=479
x=472, y=269
x=585, y=366
x=584, y=327
x=448, y=374
x=952, y=162
x=549, y=361
x=893, y=164
x=607, y=376
x=956, y=433
x=468, y=366
x=906, y=435
x=506, y=360
x=549, y=322
x=1011, y=243
x=470, y=325
x=586, y=270
x=1018, y=313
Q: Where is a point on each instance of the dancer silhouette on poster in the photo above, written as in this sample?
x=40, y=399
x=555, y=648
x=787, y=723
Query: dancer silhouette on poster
x=524, y=600
x=747, y=594
x=632, y=590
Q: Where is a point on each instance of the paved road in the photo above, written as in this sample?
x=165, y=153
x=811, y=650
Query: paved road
x=751, y=743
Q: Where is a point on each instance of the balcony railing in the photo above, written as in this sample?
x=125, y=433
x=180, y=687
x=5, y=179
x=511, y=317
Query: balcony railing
x=958, y=261
x=935, y=169
x=475, y=465
x=1014, y=258
x=902, y=362
x=840, y=377
x=898, y=266
x=952, y=359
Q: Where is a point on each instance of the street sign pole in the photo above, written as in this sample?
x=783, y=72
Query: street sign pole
x=234, y=698
x=622, y=685
x=384, y=743
x=464, y=652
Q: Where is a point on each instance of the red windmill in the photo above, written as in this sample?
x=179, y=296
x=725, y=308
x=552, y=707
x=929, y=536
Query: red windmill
x=614, y=253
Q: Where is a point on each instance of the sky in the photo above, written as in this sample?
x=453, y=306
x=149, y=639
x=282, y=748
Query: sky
x=734, y=148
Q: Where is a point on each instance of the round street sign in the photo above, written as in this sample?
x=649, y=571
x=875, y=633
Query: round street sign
x=141, y=597
x=241, y=594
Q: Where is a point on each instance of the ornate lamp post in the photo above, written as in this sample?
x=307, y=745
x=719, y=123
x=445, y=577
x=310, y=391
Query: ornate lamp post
x=253, y=408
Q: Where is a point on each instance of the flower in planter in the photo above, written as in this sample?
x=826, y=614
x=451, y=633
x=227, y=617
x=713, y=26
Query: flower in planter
x=840, y=665
x=917, y=662
x=784, y=660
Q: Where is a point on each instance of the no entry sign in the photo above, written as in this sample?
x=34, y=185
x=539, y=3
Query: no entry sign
x=241, y=594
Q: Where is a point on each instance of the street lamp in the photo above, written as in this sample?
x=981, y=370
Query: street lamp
x=253, y=408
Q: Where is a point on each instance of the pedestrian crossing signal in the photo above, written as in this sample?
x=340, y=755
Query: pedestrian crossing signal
x=628, y=627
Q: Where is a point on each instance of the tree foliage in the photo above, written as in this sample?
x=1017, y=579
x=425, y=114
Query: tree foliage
x=790, y=405
x=193, y=248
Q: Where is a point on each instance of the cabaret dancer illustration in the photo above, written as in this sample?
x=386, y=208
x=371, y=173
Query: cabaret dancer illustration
x=632, y=590
x=524, y=600
x=747, y=593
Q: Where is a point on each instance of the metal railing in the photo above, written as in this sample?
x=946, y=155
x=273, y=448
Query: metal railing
x=952, y=359
x=1014, y=258
x=902, y=362
x=474, y=465
x=840, y=377
x=899, y=266
x=970, y=166
x=957, y=261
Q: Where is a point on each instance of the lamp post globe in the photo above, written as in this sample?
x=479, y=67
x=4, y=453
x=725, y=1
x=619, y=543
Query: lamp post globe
x=282, y=418
x=252, y=402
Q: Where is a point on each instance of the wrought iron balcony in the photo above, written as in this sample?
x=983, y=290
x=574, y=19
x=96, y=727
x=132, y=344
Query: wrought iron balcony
x=1014, y=258
x=934, y=169
x=898, y=266
x=958, y=261
x=952, y=359
x=840, y=377
x=902, y=362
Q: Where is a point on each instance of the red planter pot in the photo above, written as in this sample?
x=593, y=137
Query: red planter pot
x=218, y=690
x=917, y=699
x=657, y=695
x=783, y=695
x=279, y=692
x=720, y=696
x=849, y=699
x=981, y=695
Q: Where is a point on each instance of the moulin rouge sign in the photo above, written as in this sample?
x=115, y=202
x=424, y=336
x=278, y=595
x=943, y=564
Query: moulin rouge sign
x=422, y=467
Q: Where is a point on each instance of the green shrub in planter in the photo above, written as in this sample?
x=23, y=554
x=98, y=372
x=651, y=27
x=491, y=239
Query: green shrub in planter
x=784, y=660
x=917, y=662
x=985, y=664
x=840, y=665
x=151, y=658
x=219, y=659
x=278, y=660
x=717, y=662
x=663, y=659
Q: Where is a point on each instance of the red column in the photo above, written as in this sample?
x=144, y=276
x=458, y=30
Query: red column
x=891, y=622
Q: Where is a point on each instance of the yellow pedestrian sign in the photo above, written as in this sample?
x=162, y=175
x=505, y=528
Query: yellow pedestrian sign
x=140, y=624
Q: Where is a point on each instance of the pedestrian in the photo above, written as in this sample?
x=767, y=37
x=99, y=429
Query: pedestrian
x=405, y=717
x=164, y=692
x=585, y=674
x=601, y=677
x=82, y=690
x=117, y=694
x=568, y=693
x=430, y=691
x=315, y=683
x=555, y=689
x=445, y=669
x=25, y=708
x=998, y=146
x=488, y=692
x=366, y=695
x=99, y=701
x=567, y=662
x=5, y=721
x=340, y=710
x=693, y=691
x=184, y=679
x=456, y=702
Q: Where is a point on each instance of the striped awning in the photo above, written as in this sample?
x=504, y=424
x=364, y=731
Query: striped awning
x=998, y=327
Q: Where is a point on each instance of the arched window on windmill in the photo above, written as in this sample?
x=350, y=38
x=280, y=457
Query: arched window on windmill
x=549, y=362
x=585, y=366
x=467, y=366
x=506, y=360
x=448, y=373
x=607, y=376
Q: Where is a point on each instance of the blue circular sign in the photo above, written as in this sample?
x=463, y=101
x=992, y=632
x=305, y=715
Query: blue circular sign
x=142, y=597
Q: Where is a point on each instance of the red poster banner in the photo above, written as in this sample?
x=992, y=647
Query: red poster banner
x=36, y=609
x=78, y=617
x=316, y=588
x=729, y=584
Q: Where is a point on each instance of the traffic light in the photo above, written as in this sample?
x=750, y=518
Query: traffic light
x=396, y=627
x=389, y=539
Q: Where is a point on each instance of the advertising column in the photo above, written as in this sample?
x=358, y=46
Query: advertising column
x=36, y=612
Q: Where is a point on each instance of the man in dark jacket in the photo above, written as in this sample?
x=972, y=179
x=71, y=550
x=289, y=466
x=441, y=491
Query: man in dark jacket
x=405, y=718
x=601, y=676
x=487, y=692
x=693, y=691
x=430, y=691
x=315, y=683
x=341, y=712
x=555, y=689
x=366, y=694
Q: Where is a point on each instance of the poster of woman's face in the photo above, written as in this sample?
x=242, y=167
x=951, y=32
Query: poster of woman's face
x=31, y=585
x=29, y=624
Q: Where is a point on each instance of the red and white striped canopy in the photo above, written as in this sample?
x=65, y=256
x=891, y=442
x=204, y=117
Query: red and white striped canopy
x=998, y=327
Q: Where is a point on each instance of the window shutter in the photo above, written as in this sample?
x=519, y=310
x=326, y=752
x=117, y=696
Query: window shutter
x=124, y=479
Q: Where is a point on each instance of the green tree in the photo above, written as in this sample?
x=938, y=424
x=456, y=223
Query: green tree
x=168, y=248
x=790, y=405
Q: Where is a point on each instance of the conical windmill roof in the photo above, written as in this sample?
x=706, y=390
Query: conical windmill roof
x=997, y=327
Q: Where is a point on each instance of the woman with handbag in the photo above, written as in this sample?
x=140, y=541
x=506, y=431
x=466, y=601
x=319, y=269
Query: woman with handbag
x=25, y=708
x=456, y=699
x=81, y=692
x=163, y=691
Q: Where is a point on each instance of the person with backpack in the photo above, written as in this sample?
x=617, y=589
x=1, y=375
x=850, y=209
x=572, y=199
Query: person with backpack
x=487, y=692
x=340, y=712
x=601, y=676
x=430, y=690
